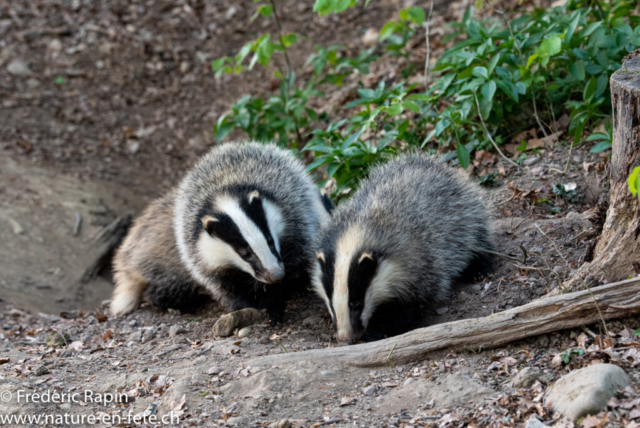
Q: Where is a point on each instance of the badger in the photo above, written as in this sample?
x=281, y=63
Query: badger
x=393, y=251
x=149, y=256
x=244, y=222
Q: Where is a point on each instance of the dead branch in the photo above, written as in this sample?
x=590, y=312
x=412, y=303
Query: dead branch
x=541, y=316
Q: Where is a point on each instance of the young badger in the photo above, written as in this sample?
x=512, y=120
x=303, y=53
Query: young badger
x=245, y=220
x=392, y=251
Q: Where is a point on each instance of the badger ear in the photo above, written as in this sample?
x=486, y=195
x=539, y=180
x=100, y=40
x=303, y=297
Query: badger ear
x=320, y=256
x=253, y=196
x=367, y=262
x=209, y=224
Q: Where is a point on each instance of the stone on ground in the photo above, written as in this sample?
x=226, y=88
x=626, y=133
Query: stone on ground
x=586, y=391
x=225, y=326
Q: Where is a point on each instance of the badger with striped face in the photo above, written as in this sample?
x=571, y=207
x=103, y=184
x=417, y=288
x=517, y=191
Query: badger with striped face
x=392, y=252
x=245, y=220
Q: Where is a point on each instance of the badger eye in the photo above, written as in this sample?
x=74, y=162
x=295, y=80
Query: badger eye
x=244, y=253
x=356, y=305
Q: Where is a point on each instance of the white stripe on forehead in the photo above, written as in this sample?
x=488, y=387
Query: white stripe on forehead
x=350, y=242
x=275, y=221
x=249, y=230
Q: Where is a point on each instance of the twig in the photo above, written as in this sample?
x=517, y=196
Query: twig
x=168, y=351
x=535, y=111
x=282, y=346
x=604, y=323
x=427, y=26
x=501, y=255
x=389, y=356
x=484, y=125
x=554, y=244
x=289, y=69
x=533, y=95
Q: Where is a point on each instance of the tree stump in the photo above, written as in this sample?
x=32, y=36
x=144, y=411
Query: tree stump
x=616, y=255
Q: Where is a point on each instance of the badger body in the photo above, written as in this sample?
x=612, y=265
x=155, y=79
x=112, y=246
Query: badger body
x=246, y=220
x=148, y=260
x=392, y=252
x=243, y=225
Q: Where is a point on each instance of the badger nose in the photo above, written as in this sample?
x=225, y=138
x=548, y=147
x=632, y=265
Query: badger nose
x=276, y=275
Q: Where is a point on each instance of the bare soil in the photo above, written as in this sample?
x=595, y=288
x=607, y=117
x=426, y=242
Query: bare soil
x=116, y=101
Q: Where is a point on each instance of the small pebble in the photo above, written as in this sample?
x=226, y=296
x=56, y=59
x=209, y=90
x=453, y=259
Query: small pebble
x=133, y=323
x=214, y=370
x=149, y=334
x=244, y=332
x=239, y=420
x=136, y=336
x=369, y=390
x=175, y=330
x=264, y=340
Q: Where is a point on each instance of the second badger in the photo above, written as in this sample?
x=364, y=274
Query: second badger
x=245, y=220
x=392, y=252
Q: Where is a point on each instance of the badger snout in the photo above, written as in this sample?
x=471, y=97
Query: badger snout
x=350, y=338
x=274, y=275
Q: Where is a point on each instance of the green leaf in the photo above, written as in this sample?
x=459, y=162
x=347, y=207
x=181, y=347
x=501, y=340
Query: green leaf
x=577, y=70
x=603, y=81
x=419, y=97
x=634, y=182
x=410, y=105
x=324, y=7
x=218, y=63
x=318, y=162
x=265, y=10
x=492, y=64
x=413, y=14
x=600, y=147
x=572, y=28
x=549, y=47
x=394, y=109
x=463, y=155
x=590, y=90
x=488, y=90
x=508, y=88
x=480, y=72
x=441, y=125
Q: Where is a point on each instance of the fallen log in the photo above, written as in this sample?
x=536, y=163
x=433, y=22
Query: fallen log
x=541, y=316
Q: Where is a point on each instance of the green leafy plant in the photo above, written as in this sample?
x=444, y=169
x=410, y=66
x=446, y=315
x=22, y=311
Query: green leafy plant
x=605, y=138
x=499, y=79
x=570, y=353
x=634, y=182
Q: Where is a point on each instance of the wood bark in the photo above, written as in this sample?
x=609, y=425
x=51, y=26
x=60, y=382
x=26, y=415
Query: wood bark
x=538, y=317
x=617, y=252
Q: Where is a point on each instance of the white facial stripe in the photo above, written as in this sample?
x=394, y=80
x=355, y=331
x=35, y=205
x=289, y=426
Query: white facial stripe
x=386, y=284
x=216, y=254
x=346, y=249
x=319, y=287
x=275, y=221
x=250, y=232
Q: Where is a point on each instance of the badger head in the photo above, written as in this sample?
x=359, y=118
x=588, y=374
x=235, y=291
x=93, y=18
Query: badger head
x=242, y=231
x=354, y=278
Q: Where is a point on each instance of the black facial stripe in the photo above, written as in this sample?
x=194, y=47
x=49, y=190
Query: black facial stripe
x=255, y=211
x=328, y=267
x=226, y=230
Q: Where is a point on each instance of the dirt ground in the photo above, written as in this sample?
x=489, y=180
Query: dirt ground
x=114, y=101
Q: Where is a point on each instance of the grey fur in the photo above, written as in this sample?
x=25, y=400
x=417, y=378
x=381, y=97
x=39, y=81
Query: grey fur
x=279, y=177
x=424, y=219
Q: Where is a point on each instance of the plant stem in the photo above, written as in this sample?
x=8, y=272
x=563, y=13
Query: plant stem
x=484, y=125
x=427, y=26
x=289, y=70
x=535, y=110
